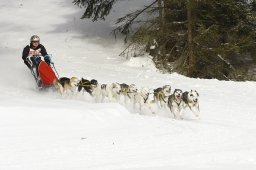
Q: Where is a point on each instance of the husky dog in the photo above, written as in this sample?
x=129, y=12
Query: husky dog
x=97, y=93
x=112, y=91
x=161, y=95
x=190, y=99
x=175, y=102
x=132, y=90
x=87, y=85
x=128, y=91
x=124, y=88
x=141, y=97
x=65, y=84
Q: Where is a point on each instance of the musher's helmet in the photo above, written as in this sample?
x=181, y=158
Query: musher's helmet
x=34, y=38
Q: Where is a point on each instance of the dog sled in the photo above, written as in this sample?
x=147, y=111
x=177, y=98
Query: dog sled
x=43, y=71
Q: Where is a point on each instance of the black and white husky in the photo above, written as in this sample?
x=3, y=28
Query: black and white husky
x=190, y=100
x=178, y=101
x=175, y=103
x=87, y=85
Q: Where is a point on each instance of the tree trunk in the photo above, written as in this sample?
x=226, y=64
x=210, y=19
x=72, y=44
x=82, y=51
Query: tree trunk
x=191, y=59
x=161, y=15
x=161, y=21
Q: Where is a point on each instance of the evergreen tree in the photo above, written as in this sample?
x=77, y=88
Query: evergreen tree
x=95, y=9
x=197, y=38
x=224, y=38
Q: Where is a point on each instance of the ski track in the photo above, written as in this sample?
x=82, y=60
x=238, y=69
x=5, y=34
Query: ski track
x=43, y=131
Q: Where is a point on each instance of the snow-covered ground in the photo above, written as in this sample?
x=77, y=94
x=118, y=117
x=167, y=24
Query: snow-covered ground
x=43, y=131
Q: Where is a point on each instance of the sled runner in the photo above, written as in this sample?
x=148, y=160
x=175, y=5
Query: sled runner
x=42, y=70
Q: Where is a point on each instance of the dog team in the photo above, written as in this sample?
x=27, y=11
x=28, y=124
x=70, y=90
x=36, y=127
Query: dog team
x=162, y=96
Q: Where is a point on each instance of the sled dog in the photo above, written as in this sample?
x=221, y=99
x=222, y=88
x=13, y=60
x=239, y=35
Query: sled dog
x=111, y=91
x=161, y=95
x=65, y=84
x=175, y=103
x=87, y=85
x=128, y=91
x=190, y=100
x=124, y=87
x=141, y=98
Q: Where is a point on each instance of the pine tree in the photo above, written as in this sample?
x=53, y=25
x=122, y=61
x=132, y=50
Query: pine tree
x=95, y=9
x=225, y=36
x=197, y=38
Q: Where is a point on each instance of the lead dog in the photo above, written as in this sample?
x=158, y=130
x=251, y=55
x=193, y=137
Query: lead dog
x=175, y=103
x=161, y=95
x=190, y=100
x=65, y=84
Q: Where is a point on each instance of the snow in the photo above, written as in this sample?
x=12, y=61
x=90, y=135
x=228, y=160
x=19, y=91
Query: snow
x=43, y=131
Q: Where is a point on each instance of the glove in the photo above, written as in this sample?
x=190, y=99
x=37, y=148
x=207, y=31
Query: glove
x=47, y=59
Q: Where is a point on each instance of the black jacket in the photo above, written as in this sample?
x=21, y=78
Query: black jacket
x=26, y=50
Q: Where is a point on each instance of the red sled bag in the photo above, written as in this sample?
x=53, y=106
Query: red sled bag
x=46, y=74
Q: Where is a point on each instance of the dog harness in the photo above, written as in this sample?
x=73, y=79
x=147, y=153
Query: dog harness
x=145, y=99
x=162, y=96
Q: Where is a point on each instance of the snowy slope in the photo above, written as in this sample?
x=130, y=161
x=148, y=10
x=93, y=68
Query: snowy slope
x=41, y=130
